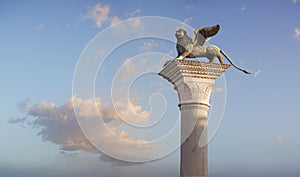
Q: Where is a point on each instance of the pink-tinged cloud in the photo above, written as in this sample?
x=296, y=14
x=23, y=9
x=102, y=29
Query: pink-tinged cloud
x=99, y=14
x=57, y=124
x=114, y=20
x=279, y=138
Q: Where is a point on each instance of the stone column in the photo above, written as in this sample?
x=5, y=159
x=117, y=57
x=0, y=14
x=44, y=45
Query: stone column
x=193, y=82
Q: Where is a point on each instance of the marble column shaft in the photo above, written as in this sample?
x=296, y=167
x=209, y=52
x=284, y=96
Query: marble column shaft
x=193, y=82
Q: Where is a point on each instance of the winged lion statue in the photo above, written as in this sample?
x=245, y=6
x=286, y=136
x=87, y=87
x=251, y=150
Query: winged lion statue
x=193, y=47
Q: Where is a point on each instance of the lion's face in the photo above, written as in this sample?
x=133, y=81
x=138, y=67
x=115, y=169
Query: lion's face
x=180, y=33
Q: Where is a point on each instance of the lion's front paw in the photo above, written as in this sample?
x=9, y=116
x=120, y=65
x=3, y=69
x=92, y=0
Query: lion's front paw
x=179, y=58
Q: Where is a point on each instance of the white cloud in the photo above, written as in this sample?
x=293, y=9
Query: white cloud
x=99, y=14
x=57, y=124
x=127, y=71
x=40, y=27
x=135, y=14
x=257, y=73
x=243, y=8
x=133, y=67
x=297, y=33
x=129, y=112
x=187, y=20
x=114, y=20
x=294, y=2
x=148, y=45
x=133, y=25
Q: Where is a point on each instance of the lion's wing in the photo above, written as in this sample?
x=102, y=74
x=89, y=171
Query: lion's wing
x=202, y=34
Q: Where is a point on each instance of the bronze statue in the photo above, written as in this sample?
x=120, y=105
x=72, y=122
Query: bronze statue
x=194, y=47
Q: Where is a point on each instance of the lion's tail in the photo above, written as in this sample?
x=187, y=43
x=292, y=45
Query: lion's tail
x=231, y=62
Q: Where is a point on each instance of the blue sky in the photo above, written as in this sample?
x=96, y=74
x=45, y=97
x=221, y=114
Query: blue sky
x=42, y=42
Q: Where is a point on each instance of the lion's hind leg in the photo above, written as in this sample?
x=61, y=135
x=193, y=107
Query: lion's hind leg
x=210, y=58
x=219, y=56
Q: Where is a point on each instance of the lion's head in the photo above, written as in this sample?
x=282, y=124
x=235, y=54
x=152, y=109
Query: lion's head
x=180, y=33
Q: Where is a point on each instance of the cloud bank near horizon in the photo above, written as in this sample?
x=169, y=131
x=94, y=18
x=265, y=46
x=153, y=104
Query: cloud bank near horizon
x=58, y=125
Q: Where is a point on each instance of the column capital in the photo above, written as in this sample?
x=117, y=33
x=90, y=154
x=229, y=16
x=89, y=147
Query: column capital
x=193, y=80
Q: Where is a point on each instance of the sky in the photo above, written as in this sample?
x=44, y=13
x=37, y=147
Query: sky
x=79, y=77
